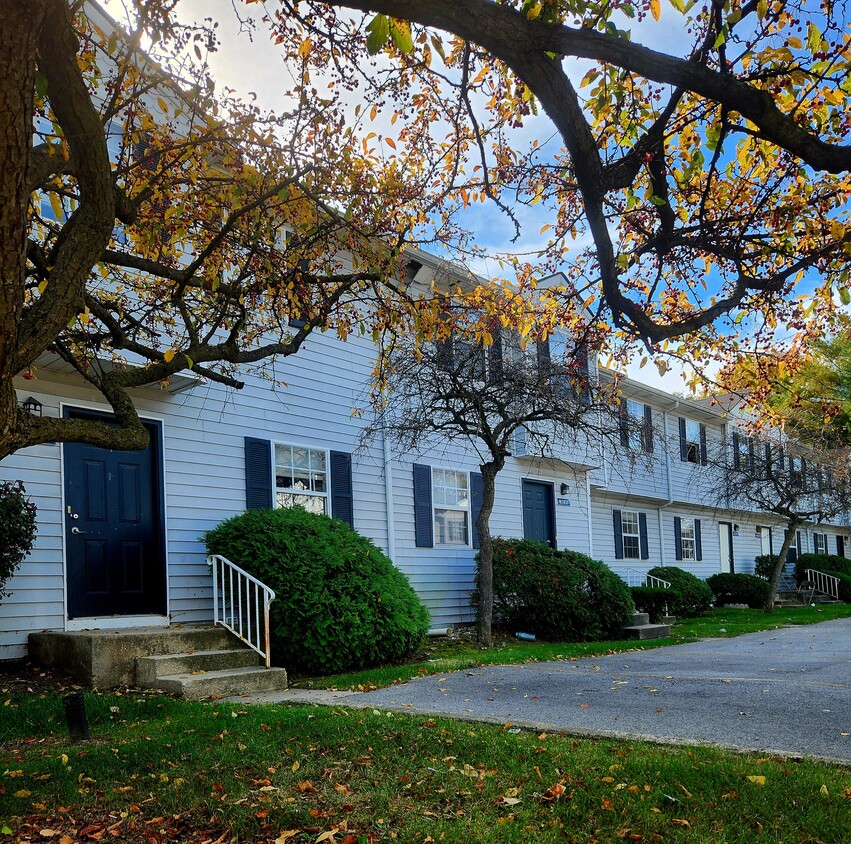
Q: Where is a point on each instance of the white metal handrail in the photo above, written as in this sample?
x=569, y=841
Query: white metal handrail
x=638, y=578
x=826, y=583
x=241, y=604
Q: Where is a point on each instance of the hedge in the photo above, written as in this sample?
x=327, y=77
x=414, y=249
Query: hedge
x=558, y=595
x=694, y=597
x=731, y=588
x=341, y=603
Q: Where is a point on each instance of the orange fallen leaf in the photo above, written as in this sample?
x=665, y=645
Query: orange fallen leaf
x=680, y=822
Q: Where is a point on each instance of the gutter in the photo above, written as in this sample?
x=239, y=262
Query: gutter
x=670, y=500
x=388, y=497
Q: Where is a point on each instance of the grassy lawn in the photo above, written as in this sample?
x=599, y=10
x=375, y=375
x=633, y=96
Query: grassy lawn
x=459, y=652
x=161, y=770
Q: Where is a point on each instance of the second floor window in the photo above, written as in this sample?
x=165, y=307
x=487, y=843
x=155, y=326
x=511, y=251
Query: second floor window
x=692, y=442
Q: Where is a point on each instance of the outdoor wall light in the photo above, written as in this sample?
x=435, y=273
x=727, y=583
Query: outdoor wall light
x=32, y=406
x=565, y=489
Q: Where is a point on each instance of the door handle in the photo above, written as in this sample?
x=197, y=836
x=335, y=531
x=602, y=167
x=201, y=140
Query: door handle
x=77, y=532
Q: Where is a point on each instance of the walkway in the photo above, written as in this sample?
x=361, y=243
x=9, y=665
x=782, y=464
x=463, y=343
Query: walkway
x=784, y=691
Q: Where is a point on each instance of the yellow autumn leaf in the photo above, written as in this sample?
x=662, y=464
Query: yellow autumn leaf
x=296, y=766
x=286, y=835
x=757, y=780
x=168, y=355
x=23, y=792
x=655, y=9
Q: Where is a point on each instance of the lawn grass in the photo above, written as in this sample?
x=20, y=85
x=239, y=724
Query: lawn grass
x=459, y=652
x=161, y=770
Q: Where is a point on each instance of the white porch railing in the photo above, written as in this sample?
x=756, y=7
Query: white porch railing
x=241, y=604
x=825, y=583
x=633, y=577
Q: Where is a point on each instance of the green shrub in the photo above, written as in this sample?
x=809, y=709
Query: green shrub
x=341, y=603
x=828, y=563
x=695, y=597
x=653, y=601
x=559, y=595
x=764, y=564
x=17, y=529
x=738, y=589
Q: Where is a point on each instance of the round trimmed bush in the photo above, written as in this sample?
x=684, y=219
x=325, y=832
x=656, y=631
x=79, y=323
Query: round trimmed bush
x=341, y=603
x=764, y=564
x=653, y=601
x=559, y=595
x=694, y=598
x=17, y=529
x=730, y=588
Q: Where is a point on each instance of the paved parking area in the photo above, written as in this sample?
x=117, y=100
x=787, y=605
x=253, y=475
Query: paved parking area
x=785, y=691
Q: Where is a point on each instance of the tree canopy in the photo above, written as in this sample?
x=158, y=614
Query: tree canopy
x=684, y=193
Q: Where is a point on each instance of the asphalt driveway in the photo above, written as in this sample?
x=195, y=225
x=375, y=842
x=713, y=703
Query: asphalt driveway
x=784, y=691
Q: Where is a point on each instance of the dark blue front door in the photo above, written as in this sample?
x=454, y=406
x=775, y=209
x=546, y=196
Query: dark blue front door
x=538, y=516
x=113, y=535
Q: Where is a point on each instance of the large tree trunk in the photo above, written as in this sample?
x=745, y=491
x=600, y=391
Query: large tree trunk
x=484, y=626
x=791, y=533
x=19, y=34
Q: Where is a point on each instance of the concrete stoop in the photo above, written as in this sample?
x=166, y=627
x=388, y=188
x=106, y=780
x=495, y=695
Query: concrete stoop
x=191, y=661
x=641, y=628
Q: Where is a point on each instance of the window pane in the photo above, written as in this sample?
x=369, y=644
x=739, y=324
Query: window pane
x=629, y=522
x=450, y=527
x=631, y=547
x=311, y=503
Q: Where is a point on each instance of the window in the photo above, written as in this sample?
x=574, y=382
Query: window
x=301, y=477
x=692, y=442
x=820, y=543
x=636, y=426
x=450, y=491
x=688, y=539
x=631, y=535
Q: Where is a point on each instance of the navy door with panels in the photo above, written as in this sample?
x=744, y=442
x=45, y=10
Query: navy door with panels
x=538, y=515
x=113, y=528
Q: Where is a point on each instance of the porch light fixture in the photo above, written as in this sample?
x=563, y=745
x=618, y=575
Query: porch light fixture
x=565, y=489
x=32, y=406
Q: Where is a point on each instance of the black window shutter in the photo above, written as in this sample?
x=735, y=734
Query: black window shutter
x=781, y=459
x=423, y=519
x=616, y=515
x=647, y=433
x=476, y=496
x=678, y=538
x=495, y=360
x=623, y=423
x=584, y=368
x=698, y=545
x=258, y=474
x=737, y=458
x=683, y=447
x=342, y=497
x=803, y=474
x=642, y=536
x=543, y=349
x=703, y=445
x=840, y=545
x=751, y=455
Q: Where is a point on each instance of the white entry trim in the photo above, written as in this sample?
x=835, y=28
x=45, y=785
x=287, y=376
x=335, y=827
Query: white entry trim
x=116, y=622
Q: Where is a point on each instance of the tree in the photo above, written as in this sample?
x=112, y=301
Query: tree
x=812, y=396
x=148, y=226
x=491, y=396
x=709, y=181
x=776, y=475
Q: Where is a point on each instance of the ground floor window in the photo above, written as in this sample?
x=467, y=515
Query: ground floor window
x=688, y=539
x=820, y=543
x=301, y=477
x=451, y=494
x=631, y=535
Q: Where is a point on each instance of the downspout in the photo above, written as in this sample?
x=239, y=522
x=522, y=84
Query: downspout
x=590, y=520
x=388, y=497
x=670, y=500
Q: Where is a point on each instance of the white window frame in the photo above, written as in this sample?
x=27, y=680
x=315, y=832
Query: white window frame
x=817, y=537
x=276, y=490
x=692, y=443
x=436, y=506
x=687, y=523
x=636, y=535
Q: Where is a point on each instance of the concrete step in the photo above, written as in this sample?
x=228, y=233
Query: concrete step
x=639, y=618
x=224, y=682
x=150, y=668
x=647, y=631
